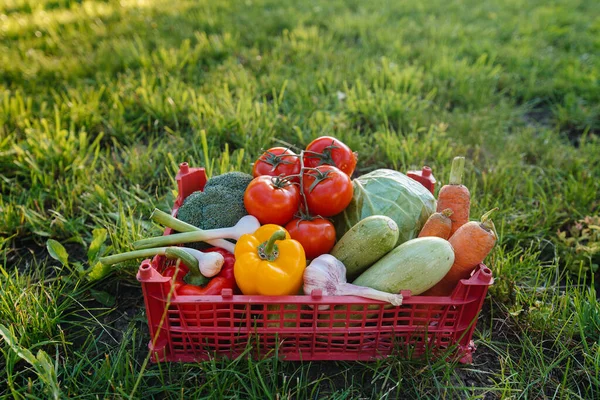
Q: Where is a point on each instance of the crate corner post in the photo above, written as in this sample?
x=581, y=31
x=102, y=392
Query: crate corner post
x=154, y=291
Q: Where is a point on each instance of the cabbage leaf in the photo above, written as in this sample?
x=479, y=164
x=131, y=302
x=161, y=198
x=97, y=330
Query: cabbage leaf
x=390, y=193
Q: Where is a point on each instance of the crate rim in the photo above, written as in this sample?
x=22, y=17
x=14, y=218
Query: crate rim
x=482, y=275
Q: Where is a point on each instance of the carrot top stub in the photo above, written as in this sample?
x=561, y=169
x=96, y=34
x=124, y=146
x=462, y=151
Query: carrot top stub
x=488, y=224
x=456, y=171
x=439, y=224
x=455, y=196
x=447, y=212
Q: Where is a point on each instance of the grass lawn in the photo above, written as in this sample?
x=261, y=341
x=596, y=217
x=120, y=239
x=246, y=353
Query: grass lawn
x=101, y=100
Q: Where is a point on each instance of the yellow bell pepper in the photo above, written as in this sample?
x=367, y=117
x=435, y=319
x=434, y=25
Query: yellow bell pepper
x=268, y=262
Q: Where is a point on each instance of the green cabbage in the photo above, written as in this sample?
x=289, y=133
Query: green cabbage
x=389, y=193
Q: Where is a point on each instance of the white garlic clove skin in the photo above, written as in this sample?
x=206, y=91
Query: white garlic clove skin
x=324, y=273
x=328, y=274
x=212, y=264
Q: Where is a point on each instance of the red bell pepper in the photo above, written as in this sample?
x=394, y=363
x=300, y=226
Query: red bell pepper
x=223, y=280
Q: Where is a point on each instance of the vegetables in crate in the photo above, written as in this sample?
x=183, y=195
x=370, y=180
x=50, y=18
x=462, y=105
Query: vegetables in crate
x=316, y=235
x=235, y=317
x=245, y=225
x=389, y=193
x=364, y=244
x=272, y=200
x=439, y=224
x=455, y=196
x=416, y=265
x=328, y=274
x=472, y=242
x=269, y=263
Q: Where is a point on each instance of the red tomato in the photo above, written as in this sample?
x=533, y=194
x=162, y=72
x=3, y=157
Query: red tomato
x=328, y=190
x=271, y=201
x=277, y=161
x=327, y=150
x=316, y=236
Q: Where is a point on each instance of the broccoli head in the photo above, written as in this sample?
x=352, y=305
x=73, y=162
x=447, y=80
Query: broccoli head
x=220, y=205
x=234, y=181
x=215, y=207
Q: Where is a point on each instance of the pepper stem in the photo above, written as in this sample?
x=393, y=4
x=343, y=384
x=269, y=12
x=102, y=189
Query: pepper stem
x=456, y=172
x=277, y=235
x=268, y=250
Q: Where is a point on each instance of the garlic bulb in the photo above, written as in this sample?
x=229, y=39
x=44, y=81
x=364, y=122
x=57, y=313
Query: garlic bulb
x=328, y=274
x=210, y=264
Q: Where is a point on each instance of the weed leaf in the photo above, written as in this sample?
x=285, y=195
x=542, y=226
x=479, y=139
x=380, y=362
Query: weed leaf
x=41, y=363
x=98, y=271
x=11, y=340
x=57, y=251
x=102, y=297
x=99, y=237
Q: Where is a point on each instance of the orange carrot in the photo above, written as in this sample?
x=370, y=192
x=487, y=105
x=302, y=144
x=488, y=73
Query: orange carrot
x=472, y=242
x=455, y=196
x=438, y=224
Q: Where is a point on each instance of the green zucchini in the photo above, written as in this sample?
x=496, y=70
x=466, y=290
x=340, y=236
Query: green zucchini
x=416, y=265
x=365, y=243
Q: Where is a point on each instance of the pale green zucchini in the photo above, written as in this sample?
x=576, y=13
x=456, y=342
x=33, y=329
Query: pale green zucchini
x=416, y=265
x=365, y=243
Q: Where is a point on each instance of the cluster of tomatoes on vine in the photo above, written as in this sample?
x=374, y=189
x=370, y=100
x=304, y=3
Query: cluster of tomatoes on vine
x=300, y=191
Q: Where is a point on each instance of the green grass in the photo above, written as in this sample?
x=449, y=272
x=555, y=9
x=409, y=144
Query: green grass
x=101, y=100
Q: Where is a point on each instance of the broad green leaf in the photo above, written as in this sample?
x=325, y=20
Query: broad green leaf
x=42, y=363
x=11, y=340
x=98, y=271
x=102, y=297
x=79, y=268
x=57, y=251
x=99, y=237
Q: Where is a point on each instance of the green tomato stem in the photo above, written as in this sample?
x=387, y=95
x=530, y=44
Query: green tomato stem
x=302, y=170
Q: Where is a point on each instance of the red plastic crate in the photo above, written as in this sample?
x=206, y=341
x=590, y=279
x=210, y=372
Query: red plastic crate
x=311, y=327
